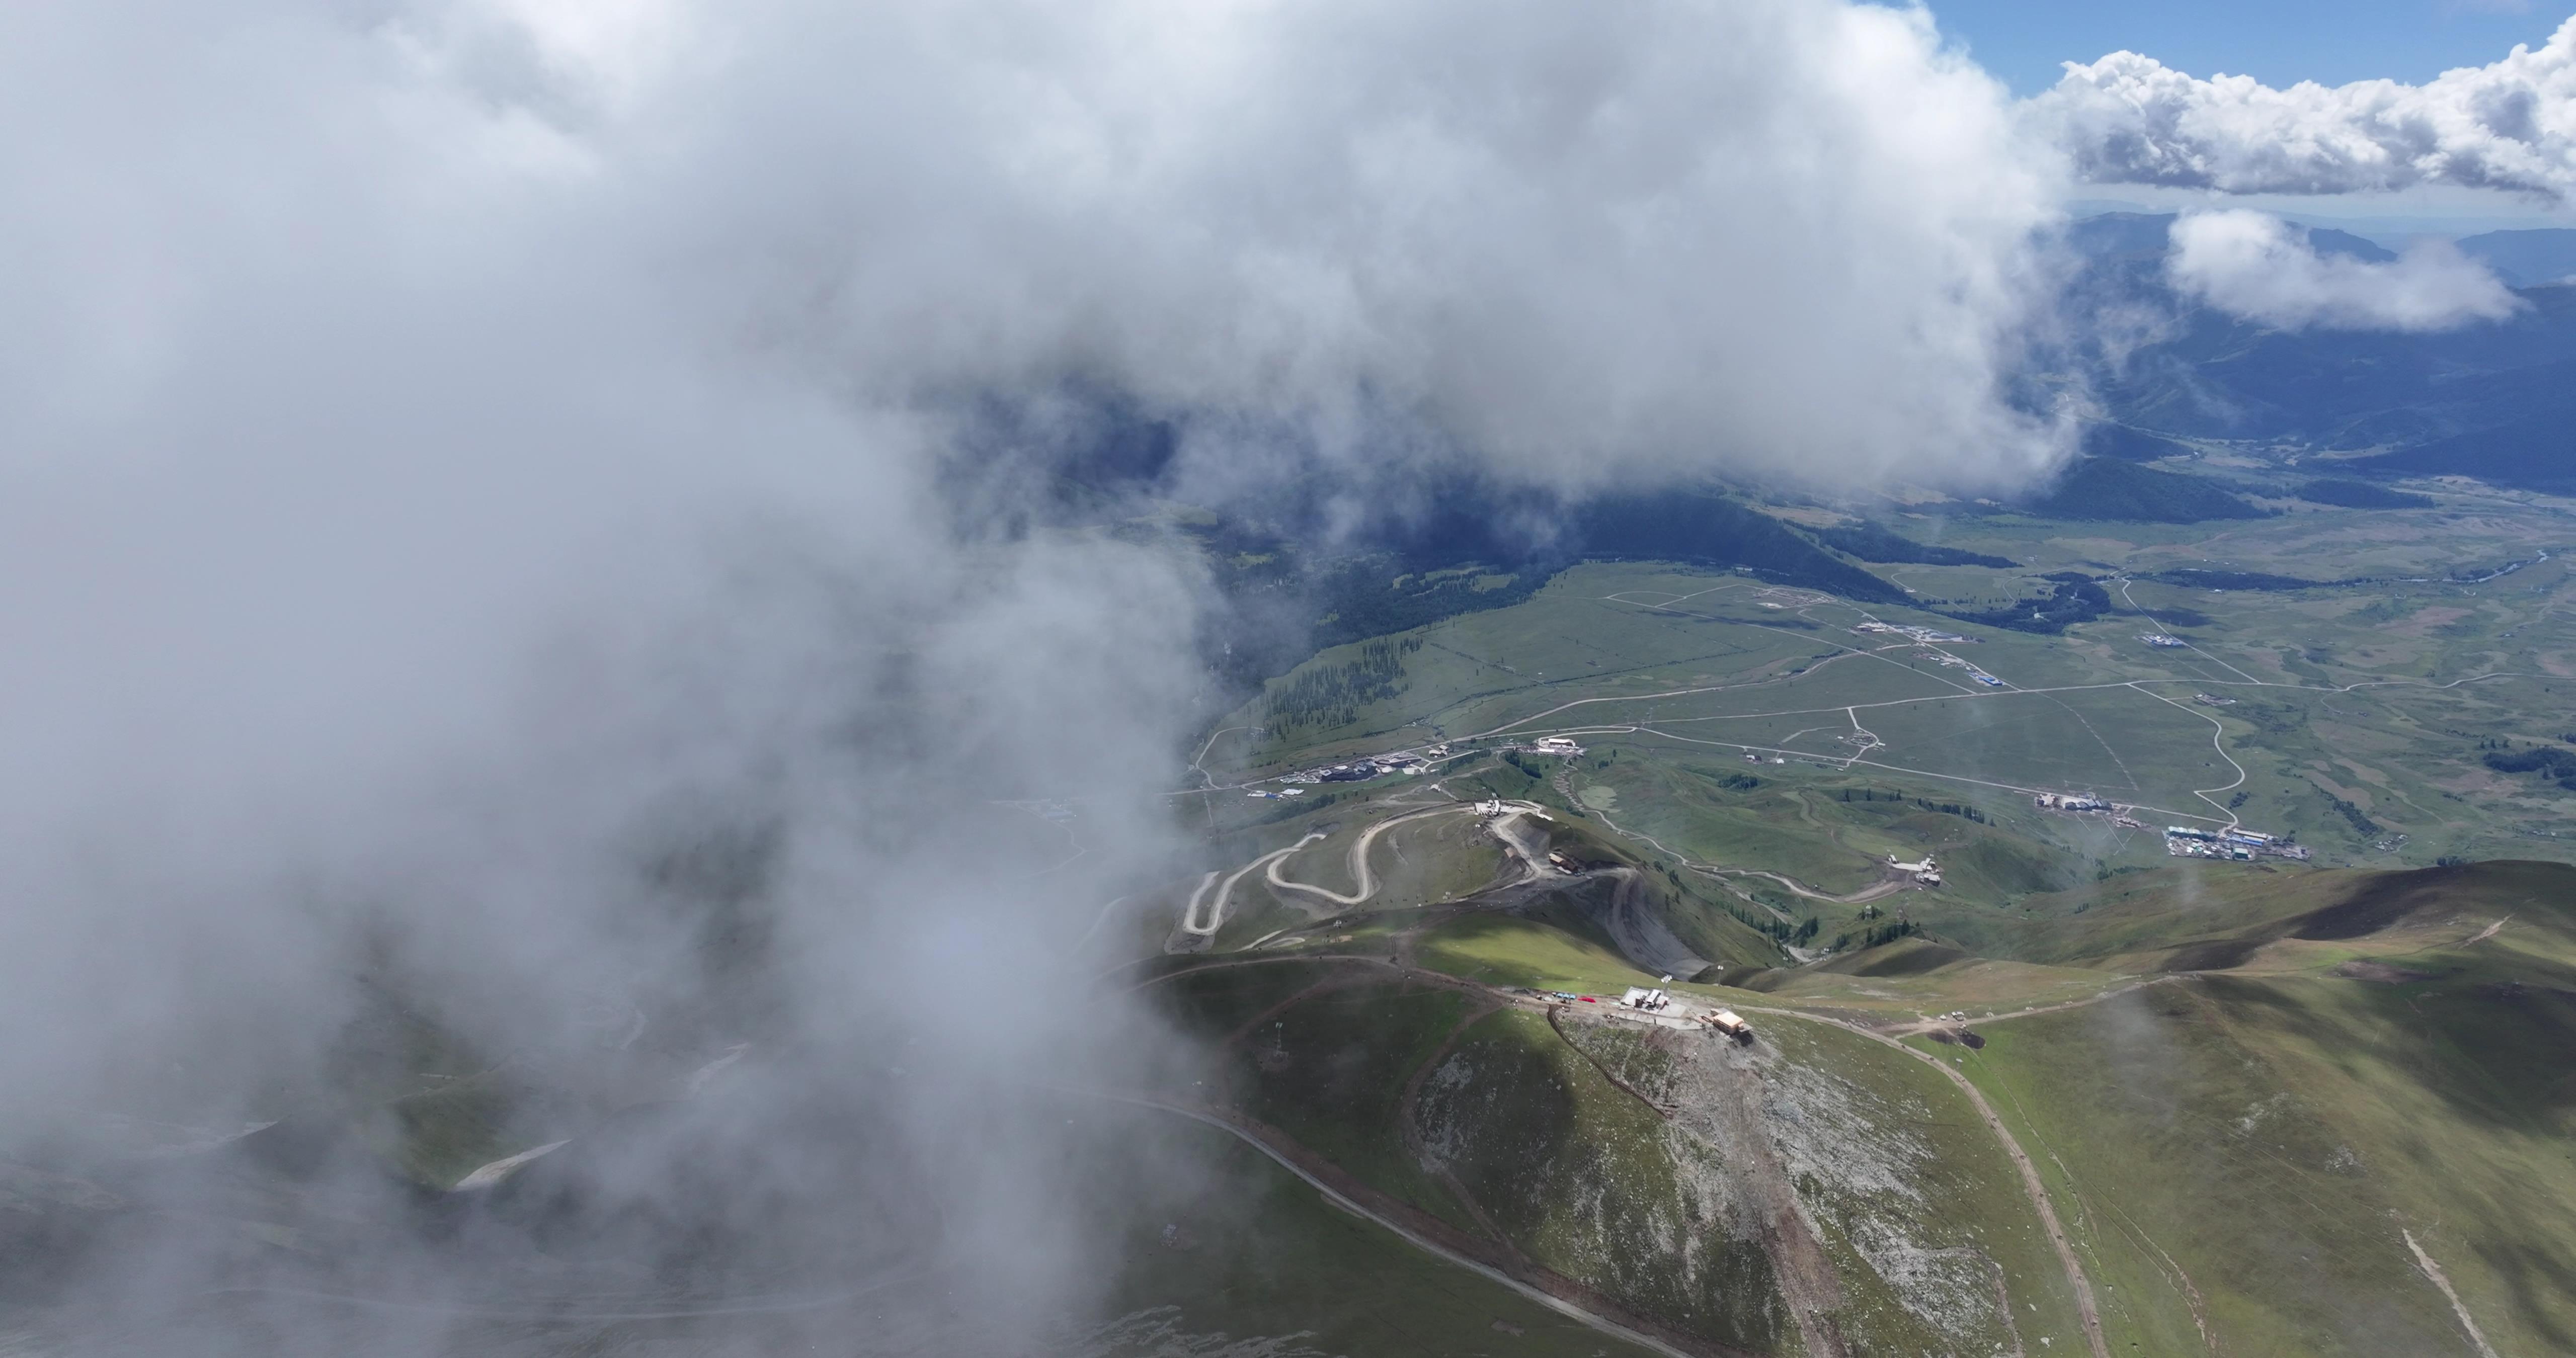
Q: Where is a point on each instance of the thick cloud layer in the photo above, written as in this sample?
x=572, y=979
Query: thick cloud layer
x=475, y=544
x=1581, y=249
x=2129, y=119
x=2260, y=268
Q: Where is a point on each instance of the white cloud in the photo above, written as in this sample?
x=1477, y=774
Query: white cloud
x=2258, y=267
x=1580, y=248
x=2129, y=119
x=452, y=450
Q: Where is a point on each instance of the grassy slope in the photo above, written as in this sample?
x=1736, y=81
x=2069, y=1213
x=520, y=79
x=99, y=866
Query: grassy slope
x=1265, y=1255
x=2403, y=750
x=1953, y=1193
x=2268, y=1132
x=1587, y=1181
x=1581, y=1177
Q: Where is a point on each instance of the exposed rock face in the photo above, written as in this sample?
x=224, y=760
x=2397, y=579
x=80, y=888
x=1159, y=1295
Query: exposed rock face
x=1753, y=1195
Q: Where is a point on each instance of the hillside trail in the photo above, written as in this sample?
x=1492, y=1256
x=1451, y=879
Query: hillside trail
x=2030, y=1182
x=2088, y=1310
x=1412, y=1233
x=1409, y=1127
x=1921, y=1026
x=1216, y=913
x=1361, y=874
x=2443, y=1281
x=1872, y=892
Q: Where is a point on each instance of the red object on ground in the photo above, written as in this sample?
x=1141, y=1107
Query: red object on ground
x=1587, y=999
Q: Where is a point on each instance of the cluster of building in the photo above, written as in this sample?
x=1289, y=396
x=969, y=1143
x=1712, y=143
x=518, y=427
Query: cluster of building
x=2207, y=700
x=1926, y=872
x=2160, y=639
x=2236, y=842
x=2085, y=803
x=1970, y=666
x=1928, y=636
x=1655, y=1000
x=1275, y=796
x=1361, y=770
x=1556, y=745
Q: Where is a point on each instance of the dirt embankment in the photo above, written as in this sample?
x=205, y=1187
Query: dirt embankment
x=1717, y=1091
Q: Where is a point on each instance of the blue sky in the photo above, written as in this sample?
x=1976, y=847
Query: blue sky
x=2278, y=42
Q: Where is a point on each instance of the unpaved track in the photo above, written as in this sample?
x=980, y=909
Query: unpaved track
x=1421, y=1240
x=1359, y=857
x=1922, y=1026
x=2442, y=1280
x=2038, y=1192
x=1410, y=1128
x=1875, y=891
x=1358, y=852
x=2085, y=1305
x=1554, y=1021
x=1216, y=914
x=1868, y=893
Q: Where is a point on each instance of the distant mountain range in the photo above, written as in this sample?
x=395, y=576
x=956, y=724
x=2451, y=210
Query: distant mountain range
x=2526, y=259
x=2495, y=401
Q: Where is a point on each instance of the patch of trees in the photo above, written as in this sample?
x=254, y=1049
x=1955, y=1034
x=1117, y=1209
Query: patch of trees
x=2071, y=601
x=2192, y=577
x=1361, y=597
x=2360, y=819
x=2531, y=452
x=2549, y=761
x=1885, y=933
x=1777, y=929
x=1705, y=528
x=2128, y=445
x=2361, y=495
x=1332, y=695
x=2109, y=488
x=1295, y=806
x=1960, y=809
x=1876, y=542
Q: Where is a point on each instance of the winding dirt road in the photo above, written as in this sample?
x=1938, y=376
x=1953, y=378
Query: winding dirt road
x=1216, y=914
x=1351, y=1202
x=2038, y=1192
x=1359, y=858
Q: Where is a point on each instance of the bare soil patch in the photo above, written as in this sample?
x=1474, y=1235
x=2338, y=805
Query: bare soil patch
x=2380, y=972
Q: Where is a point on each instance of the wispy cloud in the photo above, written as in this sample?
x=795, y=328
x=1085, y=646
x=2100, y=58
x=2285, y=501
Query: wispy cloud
x=473, y=531
x=2260, y=268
